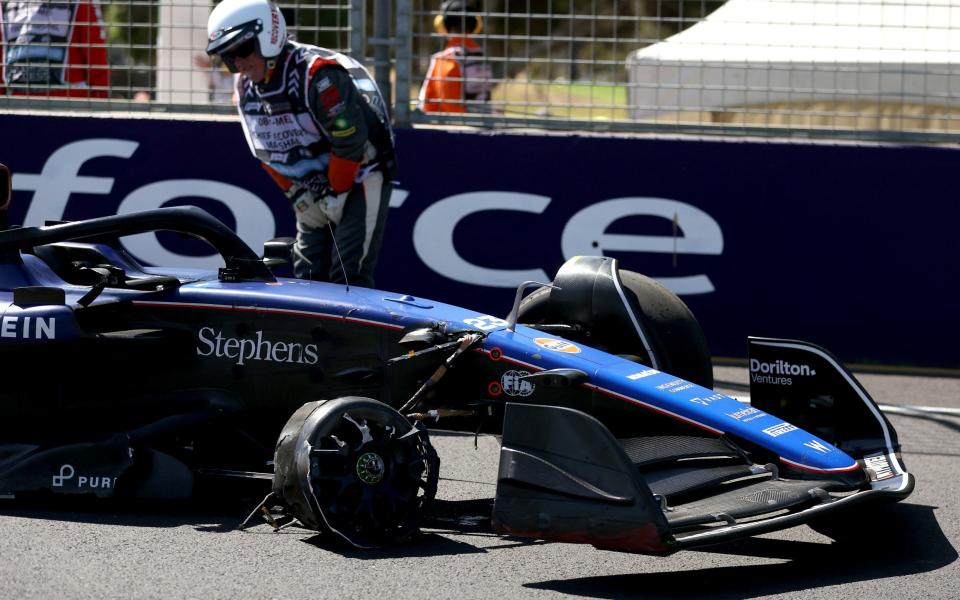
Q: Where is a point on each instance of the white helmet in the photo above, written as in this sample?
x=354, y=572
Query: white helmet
x=233, y=22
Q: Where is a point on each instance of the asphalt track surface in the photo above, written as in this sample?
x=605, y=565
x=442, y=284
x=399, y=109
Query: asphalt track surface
x=196, y=551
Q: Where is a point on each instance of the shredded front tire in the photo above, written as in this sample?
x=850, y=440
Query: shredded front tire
x=357, y=469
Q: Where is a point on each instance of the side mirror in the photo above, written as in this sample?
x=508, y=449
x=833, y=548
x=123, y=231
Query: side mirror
x=277, y=251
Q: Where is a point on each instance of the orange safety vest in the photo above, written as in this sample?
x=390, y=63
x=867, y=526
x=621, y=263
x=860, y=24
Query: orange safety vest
x=457, y=77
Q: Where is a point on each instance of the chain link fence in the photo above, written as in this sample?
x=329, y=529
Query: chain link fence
x=134, y=55
x=835, y=68
x=558, y=63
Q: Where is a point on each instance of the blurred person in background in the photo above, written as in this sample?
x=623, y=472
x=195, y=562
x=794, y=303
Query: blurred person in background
x=318, y=123
x=53, y=48
x=458, y=78
x=221, y=80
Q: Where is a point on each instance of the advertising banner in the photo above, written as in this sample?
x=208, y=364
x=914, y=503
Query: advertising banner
x=848, y=246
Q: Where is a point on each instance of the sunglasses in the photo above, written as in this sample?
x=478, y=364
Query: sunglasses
x=241, y=50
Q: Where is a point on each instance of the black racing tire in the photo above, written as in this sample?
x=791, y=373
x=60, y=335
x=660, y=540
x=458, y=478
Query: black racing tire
x=357, y=469
x=533, y=307
x=676, y=337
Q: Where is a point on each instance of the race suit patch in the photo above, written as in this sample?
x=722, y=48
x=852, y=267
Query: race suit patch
x=329, y=98
x=341, y=128
x=278, y=133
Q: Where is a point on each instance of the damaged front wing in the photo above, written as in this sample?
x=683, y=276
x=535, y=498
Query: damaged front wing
x=564, y=477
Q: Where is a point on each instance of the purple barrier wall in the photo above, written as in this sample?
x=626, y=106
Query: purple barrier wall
x=848, y=246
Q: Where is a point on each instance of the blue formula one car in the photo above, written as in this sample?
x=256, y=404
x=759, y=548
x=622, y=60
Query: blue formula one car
x=126, y=381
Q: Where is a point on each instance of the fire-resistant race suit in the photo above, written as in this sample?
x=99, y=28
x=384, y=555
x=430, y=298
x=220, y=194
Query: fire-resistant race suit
x=320, y=125
x=458, y=79
x=53, y=48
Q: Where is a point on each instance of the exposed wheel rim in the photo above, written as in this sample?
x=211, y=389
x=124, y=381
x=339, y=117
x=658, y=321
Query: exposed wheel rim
x=368, y=474
x=370, y=468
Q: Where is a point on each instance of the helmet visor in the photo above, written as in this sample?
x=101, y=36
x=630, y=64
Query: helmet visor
x=241, y=50
x=239, y=41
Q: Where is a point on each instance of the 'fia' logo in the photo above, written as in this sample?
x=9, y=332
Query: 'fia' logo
x=513, y=385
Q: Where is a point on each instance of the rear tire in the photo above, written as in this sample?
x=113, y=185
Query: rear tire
x=676, y=339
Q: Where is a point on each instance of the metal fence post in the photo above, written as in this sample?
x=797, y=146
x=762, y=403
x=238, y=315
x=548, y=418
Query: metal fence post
x=402, y=65
x=381, y=43
x=358, y=29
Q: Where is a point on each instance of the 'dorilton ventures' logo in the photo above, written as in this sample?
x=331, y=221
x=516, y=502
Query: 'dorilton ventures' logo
x=778, y=372
x=212, y=343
